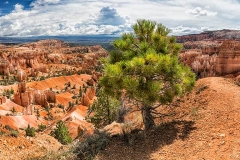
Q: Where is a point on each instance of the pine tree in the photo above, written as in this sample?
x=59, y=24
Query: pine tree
x=103, y=110
x=61, y=133
x=37, y=114
x=13, y=110
x=144, y=66
x=80, y=91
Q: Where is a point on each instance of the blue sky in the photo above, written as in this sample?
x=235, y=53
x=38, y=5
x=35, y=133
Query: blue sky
x=20, y=18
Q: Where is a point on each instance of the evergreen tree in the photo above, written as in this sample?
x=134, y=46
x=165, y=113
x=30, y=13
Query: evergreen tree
x=49, y=114
x=13, y=110
x=144, y=66
x=37, y=114
x=103, y=110
x=61, y=133
x=80, y=91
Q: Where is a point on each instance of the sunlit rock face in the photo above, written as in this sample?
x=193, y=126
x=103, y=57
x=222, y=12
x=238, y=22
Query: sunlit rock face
x=88, y=96
x=34, y=59
x=212, y=53
x=28, y=97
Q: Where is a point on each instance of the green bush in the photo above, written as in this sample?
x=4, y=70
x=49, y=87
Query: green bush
x=2, y=132
x=42, y=78
x=60, y=106
x=90, y=147
x=61, y=133
x=7, y=127
x=41, y=127
x=14, y=133
x=30, y=131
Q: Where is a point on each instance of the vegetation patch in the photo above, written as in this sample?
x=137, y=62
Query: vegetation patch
x=90, y=147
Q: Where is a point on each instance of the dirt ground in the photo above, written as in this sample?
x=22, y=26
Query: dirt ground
x=22, y=148
x=203, y=125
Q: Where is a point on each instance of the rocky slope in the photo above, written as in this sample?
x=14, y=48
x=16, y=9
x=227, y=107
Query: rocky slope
x=12, y=148
x=41, y=83
x=211, y=35
x=212, y=53
x=202, y=125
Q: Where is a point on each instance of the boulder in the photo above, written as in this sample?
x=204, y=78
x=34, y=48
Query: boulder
x=85, y=101
x=114, y=128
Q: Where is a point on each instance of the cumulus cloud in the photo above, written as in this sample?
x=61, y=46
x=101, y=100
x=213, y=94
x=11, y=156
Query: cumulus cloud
x=18, y=8
x=198, y=11
x=109, y=16
x=92, y=17
x=46, y=18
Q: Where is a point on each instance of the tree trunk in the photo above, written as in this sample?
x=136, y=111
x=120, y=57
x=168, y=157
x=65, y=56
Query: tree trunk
x=147, y=117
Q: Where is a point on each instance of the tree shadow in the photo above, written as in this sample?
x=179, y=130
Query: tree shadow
x=140, y=145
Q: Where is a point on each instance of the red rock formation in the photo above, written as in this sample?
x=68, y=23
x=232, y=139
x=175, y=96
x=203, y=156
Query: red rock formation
x=214, y=61
x=21, y=75
x=40, y=99
x=91, y=82
x=2, y=99
x=29, y=97
x=211, y=35
x=88, y=96
x=17, y=98
x=90, y=93
x=26, y=98
x=212, y=53
x=21, y=87
x=29, y=110
x=95, y=77
x=4, y=67
x=85, y=101
x=50, y=96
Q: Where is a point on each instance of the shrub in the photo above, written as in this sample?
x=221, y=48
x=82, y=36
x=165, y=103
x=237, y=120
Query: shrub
x=74, y=97
x=14, y=133
x=2, y=132
x=7, y=127
x=61, y=133
x=90, y=147
x=41, y=127
x=74, y=86
x=42, y=78
x=70, y=105
x=60, y=106
x=30, y=131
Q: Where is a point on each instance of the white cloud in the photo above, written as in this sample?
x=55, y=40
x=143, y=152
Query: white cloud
x=198, y=11
x=179, y=30
x=18, y=8
x=38, y=3
x=109, y=16
x=81, y=17
x=6, y=2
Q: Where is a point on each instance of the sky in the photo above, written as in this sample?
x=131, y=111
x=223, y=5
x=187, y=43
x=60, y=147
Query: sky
x=21, y=18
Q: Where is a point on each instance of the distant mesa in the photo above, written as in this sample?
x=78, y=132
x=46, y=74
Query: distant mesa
x=224, y=34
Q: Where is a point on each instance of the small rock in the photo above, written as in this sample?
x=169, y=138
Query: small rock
x=222, y=135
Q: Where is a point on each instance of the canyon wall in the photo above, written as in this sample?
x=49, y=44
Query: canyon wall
x=209, y=54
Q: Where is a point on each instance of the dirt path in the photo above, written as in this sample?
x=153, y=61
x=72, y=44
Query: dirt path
x=206, y=126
